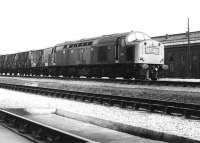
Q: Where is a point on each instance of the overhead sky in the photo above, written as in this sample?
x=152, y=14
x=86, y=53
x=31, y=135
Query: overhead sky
x=36, y=24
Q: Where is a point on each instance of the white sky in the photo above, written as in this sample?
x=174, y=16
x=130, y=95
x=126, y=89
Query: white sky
x=36, y=24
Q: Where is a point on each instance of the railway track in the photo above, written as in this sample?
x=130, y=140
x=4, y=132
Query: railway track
x=122, y=81
x=36, y=131
x=191, y=111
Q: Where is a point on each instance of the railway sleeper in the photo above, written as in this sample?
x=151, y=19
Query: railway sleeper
x=187, y=113
x=2, y=117
x=144, y=107
x=118, y=103
x=72, y=96
x=38, y=132
x=176, y=111
x=156, y=108
x=66, y=95
x=87, y=99
x=192, y=114
x=97, y=100
x=23, y=128
x=12, y=122
x=53, y=138
x=106, y=102
x=79, y=98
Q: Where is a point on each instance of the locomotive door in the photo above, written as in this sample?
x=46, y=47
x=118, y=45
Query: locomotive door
x=117, y=49
x=83, y=52
x=130, y=53
x=87, y=55
x=82, y=56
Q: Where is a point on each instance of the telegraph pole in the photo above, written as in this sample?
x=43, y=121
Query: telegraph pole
x=188, y=50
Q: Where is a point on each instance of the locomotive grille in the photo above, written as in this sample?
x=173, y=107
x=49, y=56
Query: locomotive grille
x=102, y=53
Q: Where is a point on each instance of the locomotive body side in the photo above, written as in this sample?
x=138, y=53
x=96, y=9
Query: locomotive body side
x=1, y=63
x=112, y=56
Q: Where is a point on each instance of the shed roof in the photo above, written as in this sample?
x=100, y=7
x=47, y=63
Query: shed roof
x=178, y=39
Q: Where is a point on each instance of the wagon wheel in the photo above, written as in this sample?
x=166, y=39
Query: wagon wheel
x=127, y=77
x=154, y=76
x=112, y=77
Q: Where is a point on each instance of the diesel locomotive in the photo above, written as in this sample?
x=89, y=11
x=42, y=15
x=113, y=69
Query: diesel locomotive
x=129, y=55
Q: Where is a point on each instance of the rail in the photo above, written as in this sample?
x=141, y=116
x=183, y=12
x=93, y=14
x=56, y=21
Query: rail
x=150, y=105
x=121, y=81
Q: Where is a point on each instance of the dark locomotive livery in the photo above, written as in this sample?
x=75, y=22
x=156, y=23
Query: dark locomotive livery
x=127, y=55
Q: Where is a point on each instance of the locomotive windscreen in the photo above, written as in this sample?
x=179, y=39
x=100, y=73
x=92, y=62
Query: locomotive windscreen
x=137, y=36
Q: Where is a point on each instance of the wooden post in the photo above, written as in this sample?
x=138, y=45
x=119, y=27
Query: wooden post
x=188, y=51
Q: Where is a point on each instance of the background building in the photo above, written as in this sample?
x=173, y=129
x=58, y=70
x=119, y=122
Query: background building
x=182, y=54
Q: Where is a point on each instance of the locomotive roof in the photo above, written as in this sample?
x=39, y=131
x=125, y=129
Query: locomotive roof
x=178, y=39
x=99, y=38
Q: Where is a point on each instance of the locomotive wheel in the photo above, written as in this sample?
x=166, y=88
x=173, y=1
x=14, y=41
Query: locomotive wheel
x=89, y=76
x=127, y=77
x=112, y=77
x=140, y=77
x=154, y=77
